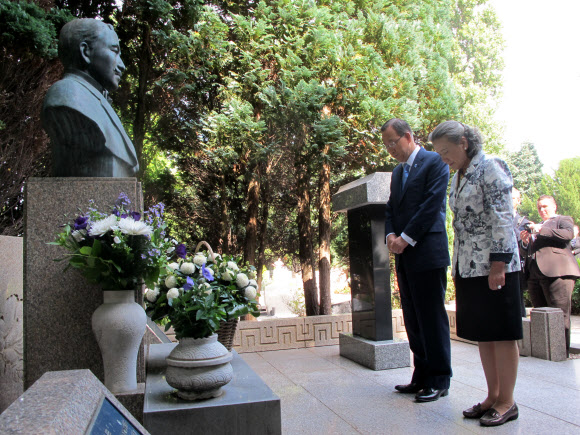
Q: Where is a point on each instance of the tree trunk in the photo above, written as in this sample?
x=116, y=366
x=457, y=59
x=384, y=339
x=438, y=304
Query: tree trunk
x=224, y=220
x=141, y=106
x=305, y=239
x=265, y=192
x=324, y=229
x=252, y=219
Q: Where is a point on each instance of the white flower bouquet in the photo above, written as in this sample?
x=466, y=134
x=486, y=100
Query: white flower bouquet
x=200, y=291
x=119, y=250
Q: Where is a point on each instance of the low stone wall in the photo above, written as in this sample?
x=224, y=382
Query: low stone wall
x=300, y=332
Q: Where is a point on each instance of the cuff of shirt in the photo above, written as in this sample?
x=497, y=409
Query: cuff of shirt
x=409, y=240
x=504, y=257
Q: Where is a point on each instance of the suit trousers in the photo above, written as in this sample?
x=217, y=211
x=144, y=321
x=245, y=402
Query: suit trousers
x=427, y=324
x=551, y=292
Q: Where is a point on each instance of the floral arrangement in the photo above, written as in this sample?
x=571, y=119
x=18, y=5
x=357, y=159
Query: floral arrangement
x=119, y=250
x=200, y=291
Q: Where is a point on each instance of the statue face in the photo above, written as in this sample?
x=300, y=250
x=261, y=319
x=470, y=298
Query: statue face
x=105, y=64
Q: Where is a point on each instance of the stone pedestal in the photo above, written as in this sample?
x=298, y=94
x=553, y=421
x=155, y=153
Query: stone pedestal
x=58, y=305
x=547, y=334
x=247, y=406
x=11, y=367
x=364, y=201
x=525, y=344
x=376, y=355
x=68, y=402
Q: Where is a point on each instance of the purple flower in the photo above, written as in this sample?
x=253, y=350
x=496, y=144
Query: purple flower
x=124, y=216
x=123, y=201
x=180, y=250
x=189, y=283
x=206, y=273
x=81, y=222
x=116, y=212
x=135, y=215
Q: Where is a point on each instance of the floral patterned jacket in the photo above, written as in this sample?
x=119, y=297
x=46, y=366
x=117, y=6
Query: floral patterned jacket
x=481, y=203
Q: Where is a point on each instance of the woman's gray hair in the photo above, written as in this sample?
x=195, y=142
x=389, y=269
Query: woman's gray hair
x=454, y=131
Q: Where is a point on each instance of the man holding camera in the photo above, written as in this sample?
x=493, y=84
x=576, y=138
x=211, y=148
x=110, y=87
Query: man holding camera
x=521, y=223
x=552, y=267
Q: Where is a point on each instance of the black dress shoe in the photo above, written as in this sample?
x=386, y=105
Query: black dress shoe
x=409, y=388
x=494, y=418
x=475, y=411
x=430, y=394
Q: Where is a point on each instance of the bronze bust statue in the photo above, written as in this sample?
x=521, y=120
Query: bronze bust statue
x=87, y=137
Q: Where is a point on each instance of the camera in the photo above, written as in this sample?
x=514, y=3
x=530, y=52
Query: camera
x=528, y=227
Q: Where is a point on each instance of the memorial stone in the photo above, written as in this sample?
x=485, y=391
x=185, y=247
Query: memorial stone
x=58, y=305
x=371, y=342
x=68, y=402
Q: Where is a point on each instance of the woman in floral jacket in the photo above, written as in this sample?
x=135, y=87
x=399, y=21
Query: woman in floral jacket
x=485, y=264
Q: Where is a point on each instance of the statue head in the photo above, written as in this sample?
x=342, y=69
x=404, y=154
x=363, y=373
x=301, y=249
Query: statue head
x=92, y=46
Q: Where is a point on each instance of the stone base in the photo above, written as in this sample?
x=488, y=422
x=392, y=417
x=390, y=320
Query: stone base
x=247, y=405
x=376, y=355
x=134, y=401
x=525, y=344
x=67, y=402
x=547, y=334
x=58, y=305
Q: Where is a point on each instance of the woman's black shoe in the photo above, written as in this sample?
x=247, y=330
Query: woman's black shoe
x=494, y=418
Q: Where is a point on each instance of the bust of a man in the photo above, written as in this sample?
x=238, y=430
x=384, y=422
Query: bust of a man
x=87, y=137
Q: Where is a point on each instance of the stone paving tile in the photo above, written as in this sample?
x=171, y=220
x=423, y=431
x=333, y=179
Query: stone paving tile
x=318, y=385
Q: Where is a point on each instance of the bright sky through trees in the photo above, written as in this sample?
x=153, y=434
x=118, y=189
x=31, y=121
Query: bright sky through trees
x=541, y=77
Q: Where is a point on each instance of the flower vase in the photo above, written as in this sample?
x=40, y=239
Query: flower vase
x=119, y=325
x=199, y=368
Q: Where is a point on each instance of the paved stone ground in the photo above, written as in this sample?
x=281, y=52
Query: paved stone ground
x=324, y=393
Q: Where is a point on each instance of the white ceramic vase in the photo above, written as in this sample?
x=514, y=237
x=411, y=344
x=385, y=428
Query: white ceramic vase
x=119, y=325
x=199, y=368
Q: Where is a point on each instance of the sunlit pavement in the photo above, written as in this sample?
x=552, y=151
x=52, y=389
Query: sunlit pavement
x=324, y=393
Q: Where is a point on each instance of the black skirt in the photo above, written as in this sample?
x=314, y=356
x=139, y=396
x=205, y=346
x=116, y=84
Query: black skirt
x=488, y=315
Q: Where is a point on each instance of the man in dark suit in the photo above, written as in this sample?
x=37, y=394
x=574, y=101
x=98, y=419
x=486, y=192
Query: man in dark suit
x=553, y=269
x=87, y=137
x=415, y=228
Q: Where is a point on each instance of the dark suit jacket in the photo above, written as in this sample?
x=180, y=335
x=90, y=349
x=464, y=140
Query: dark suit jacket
x=551, y=248
x=419, y=209
x=87, y=137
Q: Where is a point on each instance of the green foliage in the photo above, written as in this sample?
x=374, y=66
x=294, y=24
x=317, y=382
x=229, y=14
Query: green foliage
x=526, y=168
x=194, y=294
x=28, y=27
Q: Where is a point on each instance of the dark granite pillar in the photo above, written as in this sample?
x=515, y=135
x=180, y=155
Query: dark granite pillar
x=369, y=273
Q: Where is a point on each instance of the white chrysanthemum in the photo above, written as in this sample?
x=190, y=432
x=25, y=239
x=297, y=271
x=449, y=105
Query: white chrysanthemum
x=250, y=292
x=242, y=280
x=99, y=228
x=151, y=295
x=253, y=283
x=252, y=274
x=215, y=259
x=174, y=265
x=207, y=288
x=172, y=293
x=78, y=235
x=170, y=281
x=228, y=275
x=187, y=268
x=130, y=226
x=233, y=266
x=199, y=259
